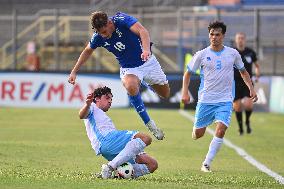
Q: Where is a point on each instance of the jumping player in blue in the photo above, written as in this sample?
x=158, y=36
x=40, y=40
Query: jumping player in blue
x=215, y=95
x=129, y=41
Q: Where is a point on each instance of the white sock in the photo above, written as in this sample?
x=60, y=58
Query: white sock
x=131, y=150
x=140, y=170
x=214, y=147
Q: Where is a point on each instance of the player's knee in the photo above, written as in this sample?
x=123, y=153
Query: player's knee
x=132, y=89
x=220, y=133
x=196, y=134
x=145, y=138
x=237, y=106
x=248, y=107
x=153, y=166
x=131, y=84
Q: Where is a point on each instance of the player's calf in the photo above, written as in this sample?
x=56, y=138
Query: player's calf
x=162, y=90
x=150, y=162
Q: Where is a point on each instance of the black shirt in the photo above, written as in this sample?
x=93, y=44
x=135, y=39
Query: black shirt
x=248, y=57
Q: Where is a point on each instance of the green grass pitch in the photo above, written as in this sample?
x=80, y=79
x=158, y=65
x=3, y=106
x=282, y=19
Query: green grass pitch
x=48, y=148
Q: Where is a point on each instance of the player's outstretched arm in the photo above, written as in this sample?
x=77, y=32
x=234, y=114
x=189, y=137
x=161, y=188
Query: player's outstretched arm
x=86, y=53
x=84, y=111
x=144, y=35
x=246, y=77
x=185, y=98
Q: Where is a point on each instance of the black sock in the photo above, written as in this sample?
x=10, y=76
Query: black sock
x=239, y=116
x=248, y=114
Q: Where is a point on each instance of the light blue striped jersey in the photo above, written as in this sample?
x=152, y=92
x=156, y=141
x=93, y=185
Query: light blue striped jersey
x=98, y=125
x=216, y=73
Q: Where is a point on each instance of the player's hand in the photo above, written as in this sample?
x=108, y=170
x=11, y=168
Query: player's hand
x=72, y=78
x=185, y=97
x=89, y=99
x=256, y=79
x=145, y=55
x=253, y=95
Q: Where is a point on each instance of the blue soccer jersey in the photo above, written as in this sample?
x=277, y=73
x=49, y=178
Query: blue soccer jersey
x=123, y=43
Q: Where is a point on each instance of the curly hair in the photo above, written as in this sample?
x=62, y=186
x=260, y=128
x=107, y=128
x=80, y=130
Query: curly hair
x=100, y=91
x=99, y=20
x=217, y=24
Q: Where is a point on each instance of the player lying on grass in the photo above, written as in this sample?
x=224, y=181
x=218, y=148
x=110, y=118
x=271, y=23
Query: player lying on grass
x=117, y=146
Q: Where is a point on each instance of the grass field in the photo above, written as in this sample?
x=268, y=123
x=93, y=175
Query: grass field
x=48, y=148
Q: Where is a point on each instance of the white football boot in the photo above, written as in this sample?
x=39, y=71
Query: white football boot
x=157, y=132
x=106, y=172
x=205, y=168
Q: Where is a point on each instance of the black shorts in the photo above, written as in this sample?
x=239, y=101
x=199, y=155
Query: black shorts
x=241, y=90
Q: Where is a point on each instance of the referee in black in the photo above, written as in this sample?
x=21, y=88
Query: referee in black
x=242, y=99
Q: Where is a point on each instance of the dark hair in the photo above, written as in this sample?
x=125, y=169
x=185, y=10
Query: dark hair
x=100, y=91
x=99, y=19
x=217, y=24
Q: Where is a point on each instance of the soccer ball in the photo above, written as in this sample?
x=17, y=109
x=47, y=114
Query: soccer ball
x=125, y=171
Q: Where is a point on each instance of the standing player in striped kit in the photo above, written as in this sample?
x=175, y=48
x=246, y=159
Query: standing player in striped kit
x=129, y=41
x=215, y=95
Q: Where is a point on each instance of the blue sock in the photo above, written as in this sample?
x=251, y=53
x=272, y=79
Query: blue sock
x=138, y=104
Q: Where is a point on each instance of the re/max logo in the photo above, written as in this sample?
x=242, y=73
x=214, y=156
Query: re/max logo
x=28, y=91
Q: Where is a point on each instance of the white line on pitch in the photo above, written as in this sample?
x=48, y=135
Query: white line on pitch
x=242, y=153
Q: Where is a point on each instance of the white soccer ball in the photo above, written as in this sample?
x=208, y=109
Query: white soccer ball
x=125, y=171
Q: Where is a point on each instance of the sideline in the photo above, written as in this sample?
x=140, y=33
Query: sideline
x=242, y=153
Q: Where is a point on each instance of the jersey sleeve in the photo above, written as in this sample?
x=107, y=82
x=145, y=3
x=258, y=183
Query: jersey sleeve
x=95, y=41
x=91, y=111
x=238, y=61
x=254, y=57
x=195, y=63
x=124, y=19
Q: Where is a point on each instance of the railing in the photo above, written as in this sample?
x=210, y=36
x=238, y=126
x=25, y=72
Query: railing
x=44, y=28
x=183, y=31
x=40, y=36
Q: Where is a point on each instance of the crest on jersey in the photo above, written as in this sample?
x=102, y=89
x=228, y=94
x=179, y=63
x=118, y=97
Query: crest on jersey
x=208, y=58
x=248, y=59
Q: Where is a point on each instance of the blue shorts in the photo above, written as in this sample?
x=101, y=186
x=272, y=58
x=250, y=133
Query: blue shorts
x=206, y=113
x=114, y=142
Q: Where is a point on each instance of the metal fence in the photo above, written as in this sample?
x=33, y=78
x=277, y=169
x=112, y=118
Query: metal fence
x=174, y=32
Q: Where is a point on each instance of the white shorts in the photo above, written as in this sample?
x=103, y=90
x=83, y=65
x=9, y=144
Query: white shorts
x=150, y=72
